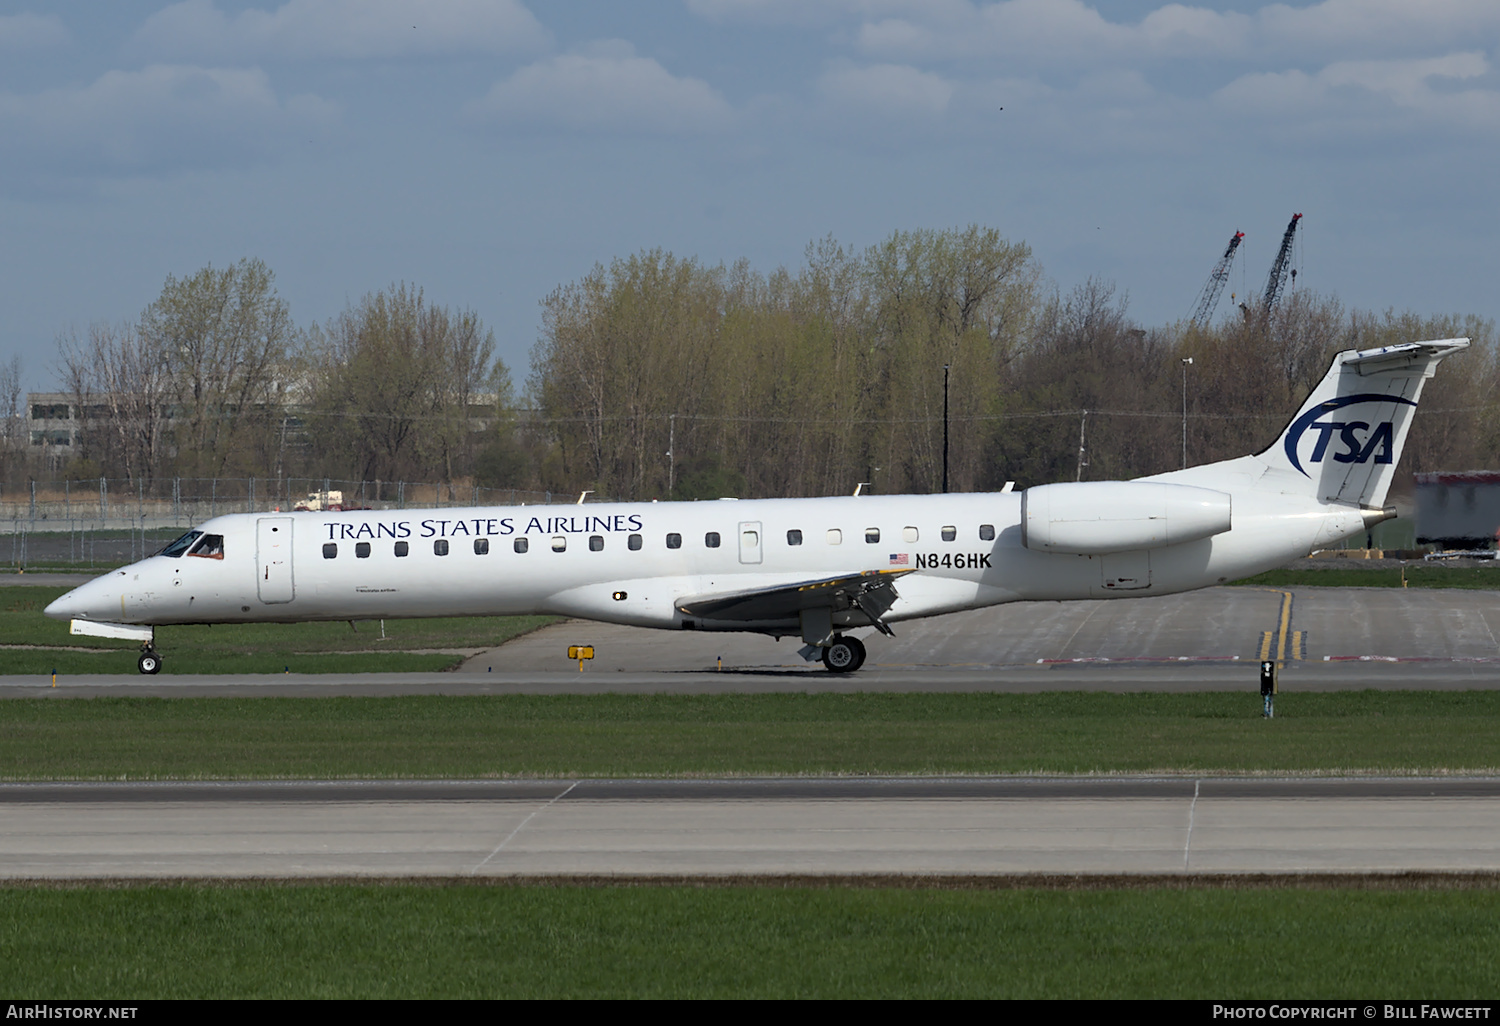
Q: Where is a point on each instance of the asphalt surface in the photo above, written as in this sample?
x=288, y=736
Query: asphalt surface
x=1326, y=638
x=750, y=827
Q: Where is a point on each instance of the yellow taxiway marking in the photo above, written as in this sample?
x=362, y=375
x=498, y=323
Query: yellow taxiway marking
x=1281, y=638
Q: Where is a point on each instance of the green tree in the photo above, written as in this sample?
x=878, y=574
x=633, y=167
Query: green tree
x=225, y=339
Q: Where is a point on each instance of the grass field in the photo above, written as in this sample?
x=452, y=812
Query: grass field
x=507, y=941
x=710, y=735
x=246, y=648
x=1483, y=578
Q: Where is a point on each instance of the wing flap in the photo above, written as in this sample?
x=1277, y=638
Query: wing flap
x=867, y=591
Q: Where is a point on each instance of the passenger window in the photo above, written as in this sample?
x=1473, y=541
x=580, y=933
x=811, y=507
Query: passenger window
x=950, y=532
x=520, y=545
x=634, y=542
x=402, y=548
x=674, y=541
x=986, y=532
x=210, y=546
x=872, y=536
x=909, y=534
x=440, y=547
x=711, y=539
x=559, y=543
x=361, y=550
x=835, y=536
x=481, y=546
x=794, y=537
x=330, y=550
x=596, y=543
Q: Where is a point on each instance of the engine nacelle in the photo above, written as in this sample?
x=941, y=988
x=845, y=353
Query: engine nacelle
x=1092, y=517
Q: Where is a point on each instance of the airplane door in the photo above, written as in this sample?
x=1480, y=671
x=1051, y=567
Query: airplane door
x=273, y=559
x=750, y=541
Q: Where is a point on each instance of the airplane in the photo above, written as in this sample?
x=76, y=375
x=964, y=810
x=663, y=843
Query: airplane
x=817, y=569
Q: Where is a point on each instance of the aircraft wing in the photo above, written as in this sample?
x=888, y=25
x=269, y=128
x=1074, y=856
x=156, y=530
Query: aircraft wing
x=872, y=592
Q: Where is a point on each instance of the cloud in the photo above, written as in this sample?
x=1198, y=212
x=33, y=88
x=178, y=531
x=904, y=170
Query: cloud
x=349, y=29
x=31, y=31
x=886, y=89
x=1382, y=95
x=605, y=87
x=811, y=12
x=161, y=118
x=1038, y=31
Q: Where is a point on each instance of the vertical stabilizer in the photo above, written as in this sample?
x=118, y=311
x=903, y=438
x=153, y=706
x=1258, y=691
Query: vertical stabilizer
x=1347, y=438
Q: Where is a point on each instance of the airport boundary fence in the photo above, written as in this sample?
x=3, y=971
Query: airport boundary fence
x=108, y=521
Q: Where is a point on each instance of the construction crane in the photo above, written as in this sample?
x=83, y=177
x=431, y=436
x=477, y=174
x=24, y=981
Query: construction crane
x=1276, y=280
x=1209, y=297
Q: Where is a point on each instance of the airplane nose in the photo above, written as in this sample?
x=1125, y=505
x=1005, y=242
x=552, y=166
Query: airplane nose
x=65, y=607
x=74, y=605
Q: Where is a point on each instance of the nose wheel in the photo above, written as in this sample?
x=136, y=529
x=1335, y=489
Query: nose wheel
x=845, y=655
x=149, y=661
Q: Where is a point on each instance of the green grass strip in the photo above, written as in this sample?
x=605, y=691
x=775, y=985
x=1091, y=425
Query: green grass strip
x=434, y=941
x=247, y=648
x=690, y=735
x=1422, y=576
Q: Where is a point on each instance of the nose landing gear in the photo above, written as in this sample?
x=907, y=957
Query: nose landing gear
x=149, y=661
x=844, y=655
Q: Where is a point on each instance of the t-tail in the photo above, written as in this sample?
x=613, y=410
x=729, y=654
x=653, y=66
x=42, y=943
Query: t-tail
x=1343, y=445
x=1345, y=442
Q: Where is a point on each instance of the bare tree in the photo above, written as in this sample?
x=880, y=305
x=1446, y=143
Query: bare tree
x=122, y=389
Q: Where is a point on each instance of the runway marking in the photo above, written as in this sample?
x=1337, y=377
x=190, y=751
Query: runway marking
x=1284, y=639
x=1298, y=645
x=1187, y=846
x=522, y=825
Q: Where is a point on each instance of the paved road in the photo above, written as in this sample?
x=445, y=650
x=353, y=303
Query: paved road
x=709, y=828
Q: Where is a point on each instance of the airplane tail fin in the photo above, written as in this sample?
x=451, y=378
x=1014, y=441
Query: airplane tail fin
x=1347, y=438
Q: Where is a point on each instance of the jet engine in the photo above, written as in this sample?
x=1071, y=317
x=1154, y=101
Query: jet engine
x=1088, y=518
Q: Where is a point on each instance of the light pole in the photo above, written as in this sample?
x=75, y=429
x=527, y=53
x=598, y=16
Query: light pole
x=1185, y=361
x=945, y=429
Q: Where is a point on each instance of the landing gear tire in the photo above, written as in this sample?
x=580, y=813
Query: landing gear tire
x=149, y=662
x=845, y=655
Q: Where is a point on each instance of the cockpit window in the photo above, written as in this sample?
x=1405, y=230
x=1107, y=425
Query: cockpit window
x=178, y=547
x=210, y=546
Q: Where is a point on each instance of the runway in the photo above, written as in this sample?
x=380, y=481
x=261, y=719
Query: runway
x=486, y=829
x=1325, y=638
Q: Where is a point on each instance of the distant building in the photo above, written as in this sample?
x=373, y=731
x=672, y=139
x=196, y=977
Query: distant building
x=53, y=419
x=1458, y=509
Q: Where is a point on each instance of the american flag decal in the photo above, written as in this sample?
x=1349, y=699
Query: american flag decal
x=900, y=559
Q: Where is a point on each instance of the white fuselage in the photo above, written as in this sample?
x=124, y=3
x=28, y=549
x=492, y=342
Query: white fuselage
x=966, y=551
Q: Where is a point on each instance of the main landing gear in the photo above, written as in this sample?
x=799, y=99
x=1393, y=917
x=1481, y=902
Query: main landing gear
x=844, y=655
x=150, y=660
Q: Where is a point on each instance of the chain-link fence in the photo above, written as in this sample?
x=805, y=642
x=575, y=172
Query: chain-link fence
x=108, y=521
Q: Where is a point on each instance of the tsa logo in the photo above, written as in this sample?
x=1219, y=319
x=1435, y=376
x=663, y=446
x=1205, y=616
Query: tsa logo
x=1352, y=441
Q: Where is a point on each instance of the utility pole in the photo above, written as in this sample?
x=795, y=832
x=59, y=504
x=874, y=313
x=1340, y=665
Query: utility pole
x=945, y=429
x=671, y=454
x=1185, y=361
x=1083, y=459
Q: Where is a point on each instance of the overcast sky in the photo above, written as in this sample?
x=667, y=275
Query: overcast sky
x=490, y=150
